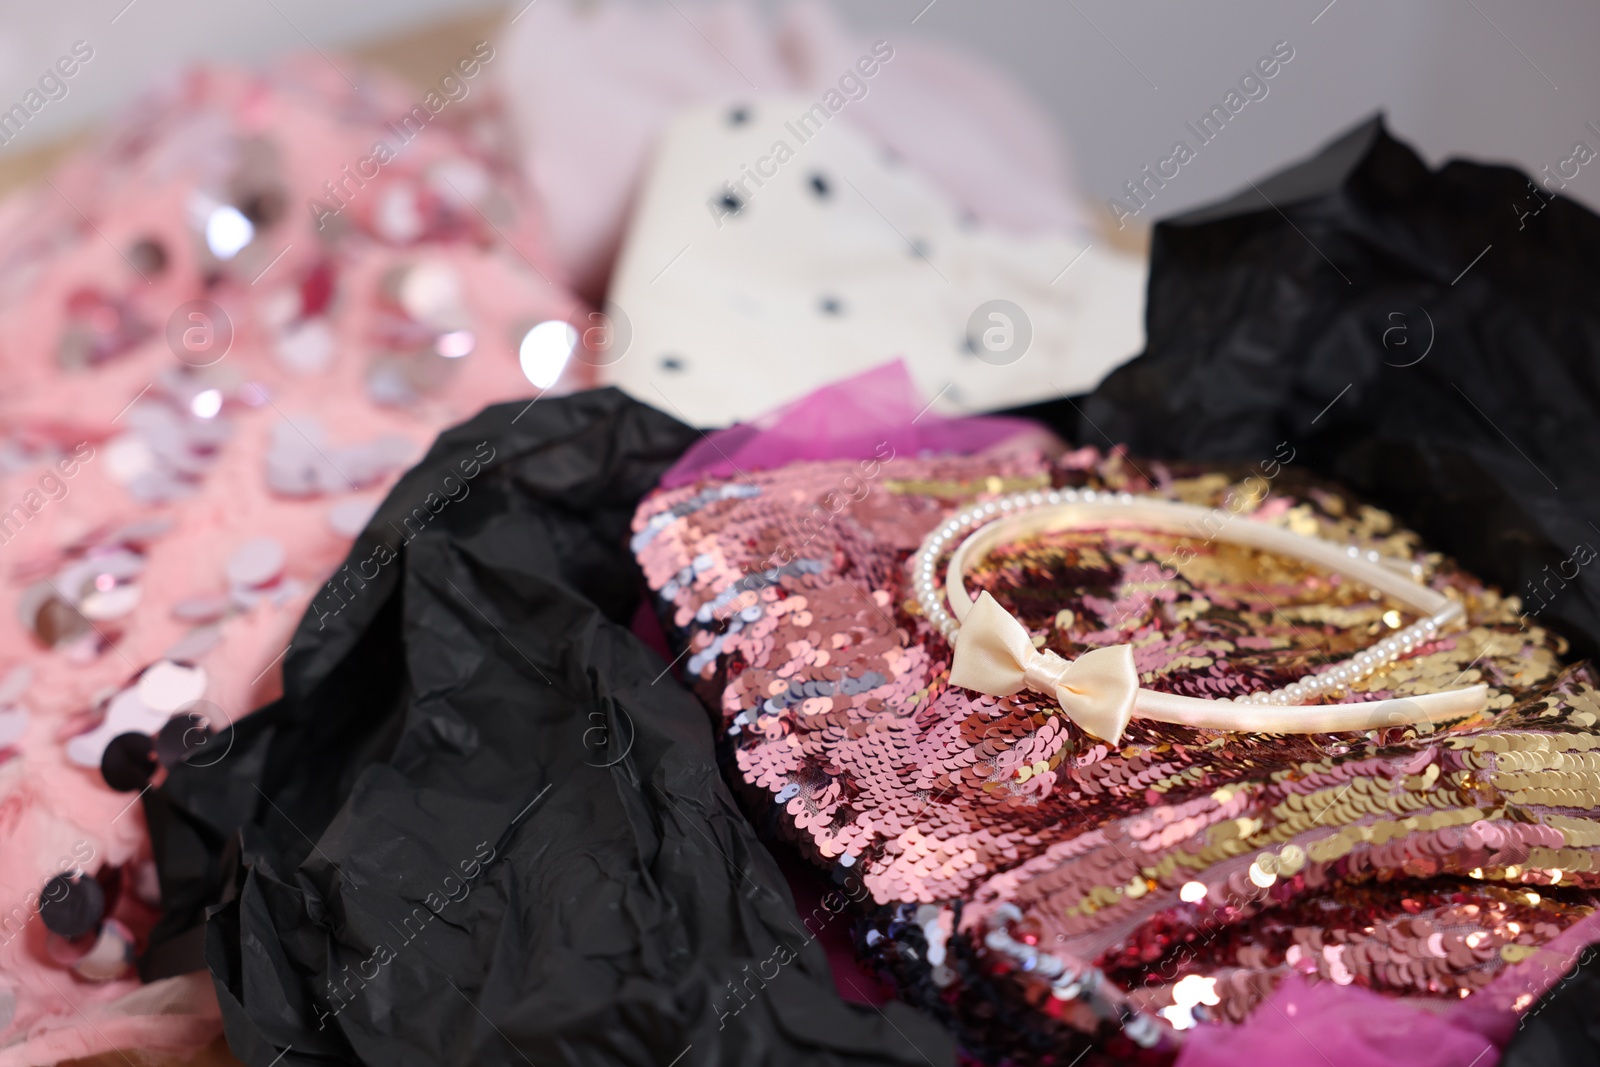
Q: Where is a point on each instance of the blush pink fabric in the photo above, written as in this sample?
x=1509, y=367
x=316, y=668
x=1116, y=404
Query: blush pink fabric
x=591, y=86
x=75, y=232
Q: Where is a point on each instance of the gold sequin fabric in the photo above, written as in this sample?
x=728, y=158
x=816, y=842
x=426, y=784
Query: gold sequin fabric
x=1008, y=851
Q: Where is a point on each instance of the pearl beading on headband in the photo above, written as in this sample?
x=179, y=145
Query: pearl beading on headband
x=961, y=526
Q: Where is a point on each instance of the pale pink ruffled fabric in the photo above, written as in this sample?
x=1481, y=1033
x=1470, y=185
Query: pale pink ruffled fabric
x=592, y=85
x=75, y=232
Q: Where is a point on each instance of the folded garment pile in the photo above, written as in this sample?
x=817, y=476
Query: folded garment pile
x=374, y=691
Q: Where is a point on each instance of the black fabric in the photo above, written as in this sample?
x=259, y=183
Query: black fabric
x=484, y=812
x=72, y=905
x=1300, y=311
x=1563, y=1029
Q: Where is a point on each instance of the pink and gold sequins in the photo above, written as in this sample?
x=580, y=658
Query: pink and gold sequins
x=1091, y=883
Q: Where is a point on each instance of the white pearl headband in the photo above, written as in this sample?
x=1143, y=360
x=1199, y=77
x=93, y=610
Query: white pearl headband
x=1099, y=690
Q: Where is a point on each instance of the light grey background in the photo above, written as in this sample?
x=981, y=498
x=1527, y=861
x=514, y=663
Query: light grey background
x=1494, y=80
x=1447, y=79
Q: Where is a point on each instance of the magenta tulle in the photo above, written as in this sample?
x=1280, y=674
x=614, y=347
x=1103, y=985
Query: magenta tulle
x=1346, y=1026
x=1353, y=1027
x=849, y=419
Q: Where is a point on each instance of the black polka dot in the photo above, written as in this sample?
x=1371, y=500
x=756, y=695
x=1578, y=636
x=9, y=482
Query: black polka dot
x=148, y=256
x=919, y=248
x=831, y=305
x=129, y=762
x=182, y=736
x=72, y=905
x=731, y=203
x=738, y=116
x=263, y=208
x=673, y=363
x=820, y=187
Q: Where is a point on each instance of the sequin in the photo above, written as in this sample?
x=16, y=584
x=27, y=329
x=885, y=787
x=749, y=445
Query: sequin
x=1087, y=883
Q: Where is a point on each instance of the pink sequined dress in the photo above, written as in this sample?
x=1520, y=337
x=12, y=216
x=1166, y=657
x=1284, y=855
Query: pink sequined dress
x=1385, y=898
x=225, y=330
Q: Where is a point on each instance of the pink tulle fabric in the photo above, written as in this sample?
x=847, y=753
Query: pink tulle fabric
x=199, y=455
x=845, y=420
x=592, y=85
x=1352, y=1027
x=1343, y=1025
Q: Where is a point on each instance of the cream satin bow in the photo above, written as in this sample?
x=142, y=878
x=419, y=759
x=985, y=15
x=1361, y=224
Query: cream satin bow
x=994, y=655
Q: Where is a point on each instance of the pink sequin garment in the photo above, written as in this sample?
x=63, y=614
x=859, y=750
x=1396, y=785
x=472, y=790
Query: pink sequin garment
x=170, y=499
x=1043, y=891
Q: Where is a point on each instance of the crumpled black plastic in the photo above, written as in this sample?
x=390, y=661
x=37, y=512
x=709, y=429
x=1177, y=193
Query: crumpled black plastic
x=1563, y=1028
x=477, y=765
x=1291, y=312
